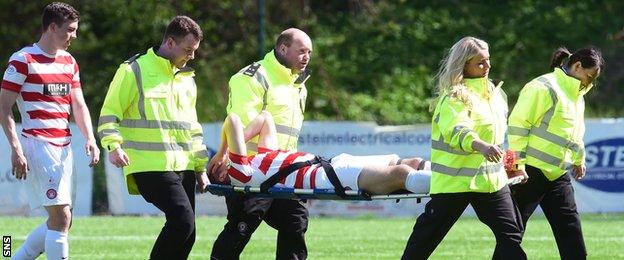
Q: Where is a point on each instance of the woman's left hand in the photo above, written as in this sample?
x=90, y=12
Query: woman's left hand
x=491, y=152
x=579, y=171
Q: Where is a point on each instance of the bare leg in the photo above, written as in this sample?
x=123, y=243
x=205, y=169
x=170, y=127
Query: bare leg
x=236, y=135
x=383, y=179
x=59, y=221
x=263, y=126
x=232, y=135
x=412, y=162
x=59, y=217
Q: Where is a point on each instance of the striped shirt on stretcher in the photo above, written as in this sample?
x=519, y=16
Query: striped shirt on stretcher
x=255, y=169
x=44, y=84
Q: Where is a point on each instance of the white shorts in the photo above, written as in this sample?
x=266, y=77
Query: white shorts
x=50, y=177
x=348, y=168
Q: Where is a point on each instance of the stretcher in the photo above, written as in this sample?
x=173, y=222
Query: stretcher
x=317, y=194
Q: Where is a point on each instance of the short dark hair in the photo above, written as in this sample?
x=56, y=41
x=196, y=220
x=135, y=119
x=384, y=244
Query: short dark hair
x=181, y=26
x=58, y=13
x=284, y=38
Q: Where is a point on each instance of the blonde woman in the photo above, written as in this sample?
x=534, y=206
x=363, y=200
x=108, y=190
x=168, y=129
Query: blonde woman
x=468, y=129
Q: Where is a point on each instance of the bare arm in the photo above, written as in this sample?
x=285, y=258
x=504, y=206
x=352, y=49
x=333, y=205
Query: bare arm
x=7, y=100
x=231, y=135
x=18, y=160
x=83, y=120
x=254, y=127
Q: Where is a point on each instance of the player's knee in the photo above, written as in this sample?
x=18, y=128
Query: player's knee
x=233, y=119
x=59, y=220
x=267, y=116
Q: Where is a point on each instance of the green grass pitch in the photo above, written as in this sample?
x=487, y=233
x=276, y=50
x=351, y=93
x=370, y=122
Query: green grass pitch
x=105, y=237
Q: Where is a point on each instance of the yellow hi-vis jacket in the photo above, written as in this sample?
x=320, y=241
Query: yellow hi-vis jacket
x=455, y=166
x=269, y=85
x=546, y=126
x=149, y=111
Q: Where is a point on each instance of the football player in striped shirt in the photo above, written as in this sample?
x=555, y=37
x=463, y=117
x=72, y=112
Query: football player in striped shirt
x=376, y=174
x=43, y=79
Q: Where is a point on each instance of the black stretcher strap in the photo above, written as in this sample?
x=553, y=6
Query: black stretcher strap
x=283, y=173
x=333, y=178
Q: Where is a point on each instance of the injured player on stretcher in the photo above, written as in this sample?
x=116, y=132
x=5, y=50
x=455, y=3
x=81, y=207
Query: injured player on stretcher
x=375, y=174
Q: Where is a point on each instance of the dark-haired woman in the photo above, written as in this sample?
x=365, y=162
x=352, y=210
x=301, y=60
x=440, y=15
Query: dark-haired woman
x=546, y=129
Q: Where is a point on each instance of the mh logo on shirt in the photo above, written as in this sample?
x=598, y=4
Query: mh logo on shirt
x=56, y=89
x=605, y=165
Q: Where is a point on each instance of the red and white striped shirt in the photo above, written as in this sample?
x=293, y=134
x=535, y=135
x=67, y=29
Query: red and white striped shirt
x=44, y=83
x=255, y=169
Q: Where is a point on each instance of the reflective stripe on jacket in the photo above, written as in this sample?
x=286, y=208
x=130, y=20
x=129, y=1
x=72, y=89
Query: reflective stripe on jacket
x=269, y=85
x=456, y=167
x=546, y=126
x=149, y=111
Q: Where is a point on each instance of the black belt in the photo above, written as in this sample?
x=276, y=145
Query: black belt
x=284, y=172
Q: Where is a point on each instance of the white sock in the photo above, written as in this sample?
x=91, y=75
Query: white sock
x=56, y=245
x=418, y=181
x=34, y=244
x=427, y=166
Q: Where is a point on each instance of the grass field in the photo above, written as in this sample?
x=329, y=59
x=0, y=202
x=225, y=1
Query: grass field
x=327, y=238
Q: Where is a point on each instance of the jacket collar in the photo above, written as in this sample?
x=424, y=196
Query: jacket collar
x=569, y=84
x=480, y=86
x=274, y=67
x=163, y=64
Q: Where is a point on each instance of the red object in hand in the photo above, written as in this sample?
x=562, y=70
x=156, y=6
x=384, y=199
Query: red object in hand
x=514, y=176
x=509, y=160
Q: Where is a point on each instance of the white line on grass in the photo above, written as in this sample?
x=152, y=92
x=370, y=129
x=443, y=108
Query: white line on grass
x=199, y=237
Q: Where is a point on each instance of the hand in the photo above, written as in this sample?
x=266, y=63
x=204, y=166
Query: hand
x=215, y=162
x=20, y=165
x=119, y=158
x=517, y=177
x=93, y=151
x=492, y=153
x=220, y=175
x=202, y=181
x=217, y=168
x=579, y=171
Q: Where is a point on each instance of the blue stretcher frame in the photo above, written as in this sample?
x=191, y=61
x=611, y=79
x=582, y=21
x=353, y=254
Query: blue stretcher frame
x=316, y=194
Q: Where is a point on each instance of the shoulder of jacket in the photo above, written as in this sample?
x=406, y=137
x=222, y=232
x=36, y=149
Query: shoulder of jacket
x=251, y=70
x=539, y=84
x=134, y=57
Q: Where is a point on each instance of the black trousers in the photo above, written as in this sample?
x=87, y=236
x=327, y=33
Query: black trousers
x=556, y=198
x=174, y=194
x=496, y=210
x=289, y=217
